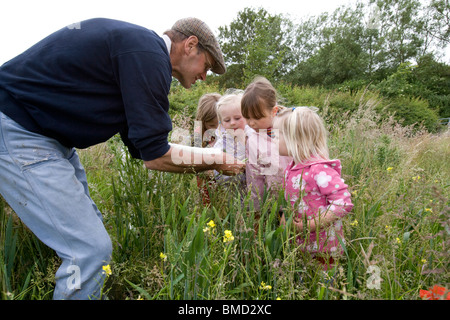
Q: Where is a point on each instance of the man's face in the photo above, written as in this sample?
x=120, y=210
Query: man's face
x=193, y=66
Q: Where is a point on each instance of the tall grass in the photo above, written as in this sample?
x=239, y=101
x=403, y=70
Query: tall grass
x=165, y=247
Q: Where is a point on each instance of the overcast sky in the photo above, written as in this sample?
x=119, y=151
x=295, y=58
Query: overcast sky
x=24, y=22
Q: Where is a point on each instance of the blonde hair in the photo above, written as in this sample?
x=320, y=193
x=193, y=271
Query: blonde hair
x=259, y=97
x=231, y=97
x=304, y=133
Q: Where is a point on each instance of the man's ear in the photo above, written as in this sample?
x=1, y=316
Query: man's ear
x=190, y=44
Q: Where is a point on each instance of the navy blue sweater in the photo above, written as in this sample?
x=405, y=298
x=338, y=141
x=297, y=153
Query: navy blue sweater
x=85, y=83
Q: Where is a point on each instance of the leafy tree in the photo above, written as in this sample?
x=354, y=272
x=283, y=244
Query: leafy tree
x=437, y=22
x=255, y=43
x=428, y=79
x=336, y=47
x=401, y=30
x=391, y=44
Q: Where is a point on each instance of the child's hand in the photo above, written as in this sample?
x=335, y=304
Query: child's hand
x=282, y=220
x=297, y=222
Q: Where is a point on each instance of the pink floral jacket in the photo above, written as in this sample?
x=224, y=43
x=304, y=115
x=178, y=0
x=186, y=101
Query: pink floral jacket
x=317, y=187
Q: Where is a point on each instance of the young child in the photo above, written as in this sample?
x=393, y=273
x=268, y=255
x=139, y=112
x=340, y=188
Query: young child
x=232, y=132
x=313, y=183
x=206, y=118
x=265, y=167
x=204, y=136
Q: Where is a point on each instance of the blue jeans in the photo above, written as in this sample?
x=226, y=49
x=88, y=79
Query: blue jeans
x=45, y=184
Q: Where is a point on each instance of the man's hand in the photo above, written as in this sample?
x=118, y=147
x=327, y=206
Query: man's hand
x=231, y=169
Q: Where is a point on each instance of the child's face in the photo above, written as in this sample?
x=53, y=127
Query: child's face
x=232, y=118
x=280, y=138
x=265, y=122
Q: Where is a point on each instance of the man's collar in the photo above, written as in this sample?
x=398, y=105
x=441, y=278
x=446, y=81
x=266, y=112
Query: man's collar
x=167, y=41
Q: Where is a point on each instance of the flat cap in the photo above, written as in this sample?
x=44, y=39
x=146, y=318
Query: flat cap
x=196, y=27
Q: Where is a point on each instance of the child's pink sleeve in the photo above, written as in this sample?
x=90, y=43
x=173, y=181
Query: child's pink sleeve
x=331, y=185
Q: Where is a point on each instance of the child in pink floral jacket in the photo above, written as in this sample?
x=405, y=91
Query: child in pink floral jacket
x=313, y=183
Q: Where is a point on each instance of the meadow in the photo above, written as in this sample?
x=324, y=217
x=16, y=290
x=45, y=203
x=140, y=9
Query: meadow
x=168, y=245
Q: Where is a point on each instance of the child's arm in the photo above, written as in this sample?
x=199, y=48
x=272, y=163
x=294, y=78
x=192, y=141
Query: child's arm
x=313, y=225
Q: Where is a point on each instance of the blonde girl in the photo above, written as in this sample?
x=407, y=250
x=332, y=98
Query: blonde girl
x=233, y=128
x=232, y=132
x=313, y=183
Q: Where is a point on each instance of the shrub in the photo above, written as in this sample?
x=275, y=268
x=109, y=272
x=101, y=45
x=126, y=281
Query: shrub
x=412, y=111
x=406, y=109
x=184, y=101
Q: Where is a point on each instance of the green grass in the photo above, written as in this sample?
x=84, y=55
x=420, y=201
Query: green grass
x=397, y=233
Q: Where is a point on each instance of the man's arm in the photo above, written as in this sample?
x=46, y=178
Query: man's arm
x=183, y=159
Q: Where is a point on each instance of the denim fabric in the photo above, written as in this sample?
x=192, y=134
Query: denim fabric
x=45, y=184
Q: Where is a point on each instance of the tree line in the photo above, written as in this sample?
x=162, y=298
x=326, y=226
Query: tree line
x=394, y=47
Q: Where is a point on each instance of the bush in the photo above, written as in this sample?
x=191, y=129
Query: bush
x=301, y=96
x=440, y=103
x=412, y=111
x=407, y=110
x=184, y=101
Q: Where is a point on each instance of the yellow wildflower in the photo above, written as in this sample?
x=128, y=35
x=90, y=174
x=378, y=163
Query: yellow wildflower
x=354, y=223
x=416, y=178
x=428, y=210
x=388, y=228
x=263, y=286
x=163, y=256
x=107, y=270
x=228, y=236
x=423, y=261
x=211, y=224
x=389, y=169
x=398, y=240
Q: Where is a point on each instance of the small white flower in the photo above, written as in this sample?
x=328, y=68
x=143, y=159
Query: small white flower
x=331, y=235
x=302, y=207
x=339, y=202
x=296, y=182
x=338, y=225
x=322, y=179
